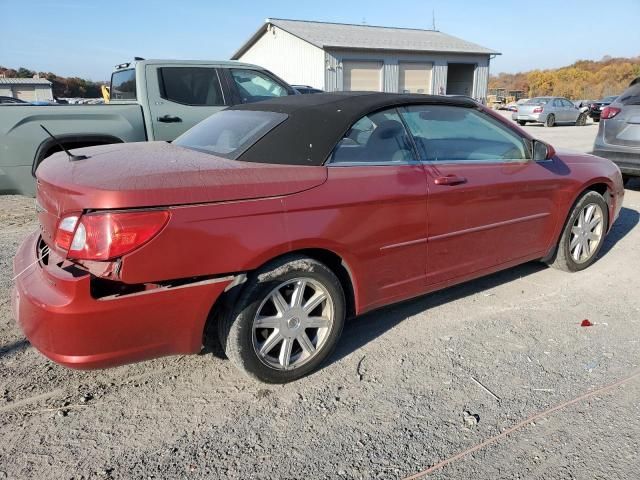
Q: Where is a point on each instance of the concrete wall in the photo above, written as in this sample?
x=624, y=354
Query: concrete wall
x=292, y=59
x=334, y=81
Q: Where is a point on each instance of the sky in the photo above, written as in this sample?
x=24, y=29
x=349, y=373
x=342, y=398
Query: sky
x=86, y=38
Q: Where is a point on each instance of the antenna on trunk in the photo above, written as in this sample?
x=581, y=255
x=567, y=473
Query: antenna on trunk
x=72, y=157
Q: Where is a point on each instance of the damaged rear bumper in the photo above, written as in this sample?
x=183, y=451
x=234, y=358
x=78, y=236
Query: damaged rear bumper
x=56, y=311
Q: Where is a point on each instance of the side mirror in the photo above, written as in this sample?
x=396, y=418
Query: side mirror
x=542, y=151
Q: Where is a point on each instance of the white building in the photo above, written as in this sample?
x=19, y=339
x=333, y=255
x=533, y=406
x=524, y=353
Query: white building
x=334, y=57
x=27, y=89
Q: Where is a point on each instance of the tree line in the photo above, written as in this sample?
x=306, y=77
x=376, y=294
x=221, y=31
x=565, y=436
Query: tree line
x=585, y=79
x=62, y=86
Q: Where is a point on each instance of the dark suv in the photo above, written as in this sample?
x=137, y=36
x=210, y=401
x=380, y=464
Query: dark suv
x=618, y=136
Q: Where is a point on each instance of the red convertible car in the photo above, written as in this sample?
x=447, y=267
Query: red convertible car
x=270, y=223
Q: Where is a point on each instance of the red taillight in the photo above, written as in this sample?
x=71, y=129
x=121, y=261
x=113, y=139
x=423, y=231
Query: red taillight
x=609, y=112
x=537, y=110
x=103, y=236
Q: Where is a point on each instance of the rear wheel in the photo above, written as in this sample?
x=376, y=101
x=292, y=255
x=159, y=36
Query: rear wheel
x=522, y=123
x=582, y=120
x=286, y=322
x=550, y=121
x=583, y=234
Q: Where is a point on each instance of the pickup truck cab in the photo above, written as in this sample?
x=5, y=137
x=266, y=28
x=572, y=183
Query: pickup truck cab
x=150, y=100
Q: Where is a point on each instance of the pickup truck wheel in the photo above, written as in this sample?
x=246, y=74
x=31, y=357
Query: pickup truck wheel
x=286, y=321
x=550, y=121
x=583, y=234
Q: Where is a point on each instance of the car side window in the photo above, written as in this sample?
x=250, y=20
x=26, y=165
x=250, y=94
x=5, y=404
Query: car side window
x=446, y=133
x=198, y=86
x=254, y=86
x=631, y=96
x=567, y=103
x=376, y=138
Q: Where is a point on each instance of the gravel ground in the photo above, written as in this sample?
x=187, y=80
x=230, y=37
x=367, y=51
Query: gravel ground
x=401, y=393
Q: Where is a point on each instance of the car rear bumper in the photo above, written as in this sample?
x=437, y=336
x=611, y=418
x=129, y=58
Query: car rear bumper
x=530, y=117
x=627, y=161
x=56, y=311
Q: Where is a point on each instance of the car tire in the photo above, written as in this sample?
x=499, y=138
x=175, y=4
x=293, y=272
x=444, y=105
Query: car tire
x=626, y=179
x=522, y=123
x=582, y=120
x=570, y=241
x=270, y=343
x=550, y=120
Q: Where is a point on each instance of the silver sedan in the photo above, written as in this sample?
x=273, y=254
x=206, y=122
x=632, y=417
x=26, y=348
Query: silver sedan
x=549, y=111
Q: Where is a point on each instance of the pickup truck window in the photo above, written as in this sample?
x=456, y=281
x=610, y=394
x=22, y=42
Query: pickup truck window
x=190, y=85
x=229, y=133
x=255, y=86
x=123, y=85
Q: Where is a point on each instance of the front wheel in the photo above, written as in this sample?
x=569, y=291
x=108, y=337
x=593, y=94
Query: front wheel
x=582, y=120
x=286, y=322
x=583, y=234
x=550, y=121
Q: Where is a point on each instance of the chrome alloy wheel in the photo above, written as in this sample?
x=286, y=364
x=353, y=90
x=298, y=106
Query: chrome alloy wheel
x=292, y=323
x=586, y=233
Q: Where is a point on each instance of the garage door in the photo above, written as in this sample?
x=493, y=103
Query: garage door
x=414, y=77
x=27, y=94
x=362, y=76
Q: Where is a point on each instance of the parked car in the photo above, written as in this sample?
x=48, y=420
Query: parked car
x=268, y=224
x=4, y=100
x=583, y=105
x=618, y=136
x=305, y=89
x=150, y=100
x=549, y=111
x=513, y=106
x=596, y=107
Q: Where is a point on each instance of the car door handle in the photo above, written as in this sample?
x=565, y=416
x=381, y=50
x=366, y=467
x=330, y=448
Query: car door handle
x=169, y=119
x=450, y=180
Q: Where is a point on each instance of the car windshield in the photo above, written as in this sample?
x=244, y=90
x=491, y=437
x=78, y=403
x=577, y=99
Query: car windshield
x=229, y=133
x=540, y=100
x=610, y=99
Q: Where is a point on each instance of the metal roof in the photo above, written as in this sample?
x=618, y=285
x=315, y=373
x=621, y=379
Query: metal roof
x=328, y=35
x=24, y=81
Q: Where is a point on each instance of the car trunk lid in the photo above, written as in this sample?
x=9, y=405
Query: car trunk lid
x=528, y=108
x=624, y=128
x=154, y=174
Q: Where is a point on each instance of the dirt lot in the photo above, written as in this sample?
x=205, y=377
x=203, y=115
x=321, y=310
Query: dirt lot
x=390, y=402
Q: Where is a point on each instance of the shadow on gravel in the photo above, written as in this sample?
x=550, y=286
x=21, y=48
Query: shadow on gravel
x=624, y=224
x=366, y=328
x=13, y=347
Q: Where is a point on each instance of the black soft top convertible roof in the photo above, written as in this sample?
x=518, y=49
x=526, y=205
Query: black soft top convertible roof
x=317, y=122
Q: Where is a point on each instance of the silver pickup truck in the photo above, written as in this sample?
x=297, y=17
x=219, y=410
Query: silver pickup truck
x=150, y=100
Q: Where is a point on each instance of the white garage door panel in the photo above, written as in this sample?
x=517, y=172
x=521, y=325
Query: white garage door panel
x=25, y=93
x=414, y=77
x=362, y=76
